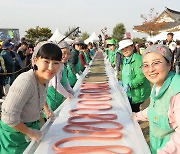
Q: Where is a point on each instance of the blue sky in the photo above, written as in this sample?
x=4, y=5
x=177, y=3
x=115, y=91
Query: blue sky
x=89, y=15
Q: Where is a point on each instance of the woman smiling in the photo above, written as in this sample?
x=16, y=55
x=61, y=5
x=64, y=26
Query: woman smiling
x=26, y=98
x=163, y=113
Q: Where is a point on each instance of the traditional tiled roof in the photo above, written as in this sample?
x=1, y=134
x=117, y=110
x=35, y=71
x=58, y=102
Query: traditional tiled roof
x=174, y=14
x=173, y=22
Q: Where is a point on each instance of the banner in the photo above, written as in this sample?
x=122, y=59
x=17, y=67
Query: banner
x=12, y=34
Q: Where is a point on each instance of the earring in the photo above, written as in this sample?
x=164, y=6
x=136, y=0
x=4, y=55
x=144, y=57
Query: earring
x=35, y=67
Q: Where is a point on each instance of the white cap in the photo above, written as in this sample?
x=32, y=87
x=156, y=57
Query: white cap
x=125, y=43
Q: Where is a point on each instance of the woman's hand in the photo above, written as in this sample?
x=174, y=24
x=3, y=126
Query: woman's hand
x=34, y=134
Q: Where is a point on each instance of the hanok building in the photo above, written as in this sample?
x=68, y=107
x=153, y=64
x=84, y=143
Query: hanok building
x=168, y=20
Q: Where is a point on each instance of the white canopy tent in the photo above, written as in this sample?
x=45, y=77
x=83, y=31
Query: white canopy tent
x=58, y=36
x=163, y=36
x=92, y=38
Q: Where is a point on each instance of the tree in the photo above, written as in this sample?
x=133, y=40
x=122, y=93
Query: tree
x=74, y=34
x=139, y=40
x=151, y=25
x=118, y=32
x=38, y=34
x=84, y=36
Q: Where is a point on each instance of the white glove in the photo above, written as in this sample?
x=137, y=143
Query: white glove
x=50, y=114
x=80, y=72
x=119, y=83
x=72, y=92
x=116, y=73
x=34, y=134
x=77, y=75
x=125, y=88
x=70, y=95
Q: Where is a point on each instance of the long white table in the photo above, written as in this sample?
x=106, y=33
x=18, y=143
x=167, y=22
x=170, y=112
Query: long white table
x=132, y=134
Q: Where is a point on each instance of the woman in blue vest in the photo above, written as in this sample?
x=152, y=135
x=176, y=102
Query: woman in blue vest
x=163, y=113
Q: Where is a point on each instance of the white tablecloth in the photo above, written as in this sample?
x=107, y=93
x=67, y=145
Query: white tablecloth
x=132, y=134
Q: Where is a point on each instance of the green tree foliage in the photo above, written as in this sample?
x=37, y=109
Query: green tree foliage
x=119, y=31
x=84, y=36
x=73, y=35
x=139, y=40
x=38, y=34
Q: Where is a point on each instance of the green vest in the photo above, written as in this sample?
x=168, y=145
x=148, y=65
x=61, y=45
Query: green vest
x=64, y=76
x=126, y=73
x=132, y=74
x=71, y=76
x=54, y=99
x=111, y=57
x=78, y=67
x=86, y=58
x=160, y=130
x=12, y=141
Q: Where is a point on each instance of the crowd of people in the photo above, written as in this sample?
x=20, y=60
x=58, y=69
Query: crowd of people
x=42, y=76
x=45, y=77
x=15, y=59
x=156, y=63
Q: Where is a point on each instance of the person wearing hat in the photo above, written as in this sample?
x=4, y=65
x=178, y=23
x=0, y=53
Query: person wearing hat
x=136, y=86
x=115, y=57
x=74, y=62
x=163, y=112
x=9, y=61
x=26, y=97
x=59, y=87
x=111, y=51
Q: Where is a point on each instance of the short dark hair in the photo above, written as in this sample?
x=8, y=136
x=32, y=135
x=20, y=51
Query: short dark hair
x=24, y=43
x=23, y=39
x=170, y=34
x=50, y=51
x=84, y=46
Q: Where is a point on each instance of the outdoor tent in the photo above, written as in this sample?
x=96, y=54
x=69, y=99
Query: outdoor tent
x=57, y=36
x=92, y=38
x=163, y=36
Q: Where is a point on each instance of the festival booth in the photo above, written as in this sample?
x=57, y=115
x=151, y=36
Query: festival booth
x=92, y=38
x=57, y=36
x=125, y=139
